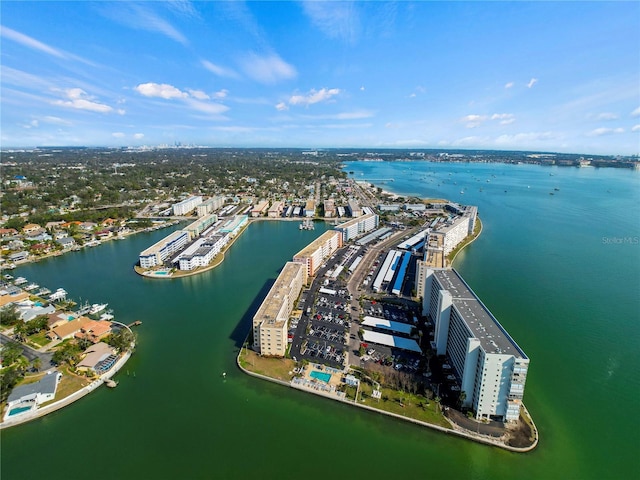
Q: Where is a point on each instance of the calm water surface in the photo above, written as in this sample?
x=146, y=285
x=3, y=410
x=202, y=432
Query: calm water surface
x=548, y=266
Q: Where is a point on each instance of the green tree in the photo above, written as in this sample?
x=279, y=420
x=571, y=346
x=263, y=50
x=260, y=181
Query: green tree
x=36, y=363
x=9, y=315
x=8, y=378
x=11, y=351
x=121, y=340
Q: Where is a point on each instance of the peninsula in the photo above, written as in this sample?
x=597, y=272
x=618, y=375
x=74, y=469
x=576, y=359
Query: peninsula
x=375, y=316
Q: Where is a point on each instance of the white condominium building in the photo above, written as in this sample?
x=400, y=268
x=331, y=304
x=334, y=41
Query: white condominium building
x=202, y=252
x=200, y=225
x=354, y=208
x=157, y=253
x=270, y=321
x=317, y=251
x=454, y=233
x=186, y=206
x=210, y=205
x=358, y=226
x=491, y=367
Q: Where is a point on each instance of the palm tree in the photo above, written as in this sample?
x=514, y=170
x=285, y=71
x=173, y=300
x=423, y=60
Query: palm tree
x=36, y=363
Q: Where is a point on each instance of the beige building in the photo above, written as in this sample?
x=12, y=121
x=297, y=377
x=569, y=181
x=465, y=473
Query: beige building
x=260, y=209
x=317, y=251
x=276, y=209
x=270, y=321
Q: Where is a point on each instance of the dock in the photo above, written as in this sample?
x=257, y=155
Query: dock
x=135, y=324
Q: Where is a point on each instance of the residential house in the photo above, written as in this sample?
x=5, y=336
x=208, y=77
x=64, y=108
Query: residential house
x=95, y=330
x=7, y=232
x=66, y=242
x=35, y=393
x=69, y=329
x=57, y=319
x=32, y=229
x=98, y=358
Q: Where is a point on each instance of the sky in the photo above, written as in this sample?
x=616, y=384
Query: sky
x=542, y=76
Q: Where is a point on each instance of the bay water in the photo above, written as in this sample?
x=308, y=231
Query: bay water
x=561, y=273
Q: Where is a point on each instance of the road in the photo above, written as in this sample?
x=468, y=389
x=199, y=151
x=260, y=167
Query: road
x=30, y=353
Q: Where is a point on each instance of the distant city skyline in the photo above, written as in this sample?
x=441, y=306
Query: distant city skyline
x=542, y=76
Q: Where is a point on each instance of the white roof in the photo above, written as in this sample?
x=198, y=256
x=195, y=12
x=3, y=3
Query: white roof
x=387, y=324
x=391, y=341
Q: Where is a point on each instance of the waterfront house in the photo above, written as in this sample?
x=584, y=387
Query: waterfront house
x=66, y=242
x=57, y=319
x=95, y=357
x=8, y=296
x=36, y=393
x=18, y=256
x=95, y=330
x=69, y=329
x=29, y=312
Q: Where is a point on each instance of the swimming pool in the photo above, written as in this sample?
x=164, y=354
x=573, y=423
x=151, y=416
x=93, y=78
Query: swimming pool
x=322, y=376
x=17, y=410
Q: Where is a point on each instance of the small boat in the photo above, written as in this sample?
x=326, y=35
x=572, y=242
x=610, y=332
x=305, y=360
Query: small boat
x=97, y=307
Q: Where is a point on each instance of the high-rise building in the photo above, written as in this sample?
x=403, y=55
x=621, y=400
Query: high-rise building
x=490, y=366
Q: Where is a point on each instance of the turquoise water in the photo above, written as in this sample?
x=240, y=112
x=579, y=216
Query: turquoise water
x=548, y=266
x=322, y=376
x=16, y=411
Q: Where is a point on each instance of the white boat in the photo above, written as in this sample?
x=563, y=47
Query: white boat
x=97, y=307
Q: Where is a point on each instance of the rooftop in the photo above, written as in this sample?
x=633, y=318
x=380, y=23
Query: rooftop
x=484, y=326
x=317, y=243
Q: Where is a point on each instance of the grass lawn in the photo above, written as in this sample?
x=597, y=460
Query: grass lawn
x=39, y=339
x=405, y=404
x=277, y=368
x=69, y=384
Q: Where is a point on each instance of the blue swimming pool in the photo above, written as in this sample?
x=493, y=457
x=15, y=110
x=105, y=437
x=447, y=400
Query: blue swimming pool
x=322, y=376
x=16, y=411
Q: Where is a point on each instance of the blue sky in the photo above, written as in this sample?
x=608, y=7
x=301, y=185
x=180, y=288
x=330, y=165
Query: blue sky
x=552, y=76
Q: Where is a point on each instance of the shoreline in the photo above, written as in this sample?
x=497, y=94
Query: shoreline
x=197, y=271
x=69, y=399
x=455, y=430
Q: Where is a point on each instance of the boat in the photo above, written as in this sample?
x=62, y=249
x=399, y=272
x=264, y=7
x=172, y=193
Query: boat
x=97, y=308
x=306, y=225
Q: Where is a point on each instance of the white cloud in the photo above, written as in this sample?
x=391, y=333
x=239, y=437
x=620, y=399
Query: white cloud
x=221, y=94
x=505, y=118
x=29, y=42
x=598, y=132
x=525, y=138
x=194, y=99
x=267, y=69
x=335, y=19
x=219, y=70
x=314, y=96
x=362, y=89
x=121, y=111
x=636, y=112
x=161, y=90
x=508, y=85
x=473, y=121
x=138, y=136
x=282, y=106
x=199, y=94
x=141, y=17
x=118, y=135
x=79, y=99
x=206, y=107
x=635, y=128
x=532, y=82
x=602, y=116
